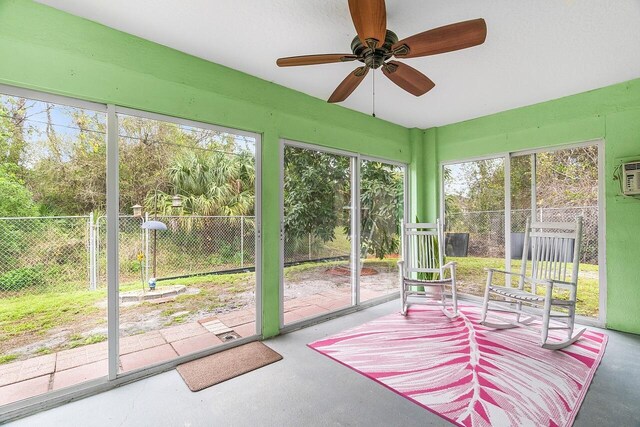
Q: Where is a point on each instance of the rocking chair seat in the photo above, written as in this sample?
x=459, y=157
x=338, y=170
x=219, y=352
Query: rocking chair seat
x=516, y=294
x=418, y=282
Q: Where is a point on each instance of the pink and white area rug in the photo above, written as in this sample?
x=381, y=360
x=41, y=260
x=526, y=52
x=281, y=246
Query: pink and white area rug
x=468, y=374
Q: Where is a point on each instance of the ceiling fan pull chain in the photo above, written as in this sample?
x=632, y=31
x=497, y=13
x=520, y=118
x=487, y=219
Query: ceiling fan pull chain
x=374, y=93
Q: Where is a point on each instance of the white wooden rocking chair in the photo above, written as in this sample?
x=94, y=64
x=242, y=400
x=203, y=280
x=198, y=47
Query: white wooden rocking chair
x=422, y=273
x=551, y=252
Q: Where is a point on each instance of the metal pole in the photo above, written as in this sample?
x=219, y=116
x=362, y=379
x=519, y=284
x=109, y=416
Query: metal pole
x=155, y=241
x=356, y=224
x=92, y=254
x=242, y=241
x=146, y=249
x=97, y=248
x=155, y=251
x=113, y=197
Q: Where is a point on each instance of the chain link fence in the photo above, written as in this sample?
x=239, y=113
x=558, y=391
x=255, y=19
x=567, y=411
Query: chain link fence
x=40, y=254
x=191, y=245
x=486, y=233
x=63, y=254
x=311, y=247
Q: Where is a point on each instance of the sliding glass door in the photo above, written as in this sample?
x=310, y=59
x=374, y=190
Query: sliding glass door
x=474, y=195
x=186, y=238
x=53, y=310
x=551, y=185
x=558, y=186
x=341, y=222
x=381, y=217
x=318, y=266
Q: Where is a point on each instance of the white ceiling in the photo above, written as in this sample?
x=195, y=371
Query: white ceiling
x=535, y=50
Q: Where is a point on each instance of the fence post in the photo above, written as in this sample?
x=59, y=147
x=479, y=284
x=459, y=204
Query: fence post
x=92, y=253
x=242, y=241
x=146, y=249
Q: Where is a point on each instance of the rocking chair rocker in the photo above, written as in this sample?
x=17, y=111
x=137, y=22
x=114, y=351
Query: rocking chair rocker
x=550, y=258
x=422, y=273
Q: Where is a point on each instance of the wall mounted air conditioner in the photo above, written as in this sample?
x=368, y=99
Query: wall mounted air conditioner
x=631, y=179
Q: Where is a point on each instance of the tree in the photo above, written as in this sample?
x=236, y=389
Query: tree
x=69, y=176
x=316, y=192
x=381, y=205
x=16, y=200
x=210, y=183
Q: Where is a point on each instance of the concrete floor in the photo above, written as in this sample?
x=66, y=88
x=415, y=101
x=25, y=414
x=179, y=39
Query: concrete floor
x=306, y=388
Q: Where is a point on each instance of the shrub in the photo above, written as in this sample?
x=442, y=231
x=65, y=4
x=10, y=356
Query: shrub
x=21, y=278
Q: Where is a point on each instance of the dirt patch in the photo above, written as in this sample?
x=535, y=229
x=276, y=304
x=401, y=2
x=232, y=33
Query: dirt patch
x=317, y=280
x=346, y=271
x=201, y=300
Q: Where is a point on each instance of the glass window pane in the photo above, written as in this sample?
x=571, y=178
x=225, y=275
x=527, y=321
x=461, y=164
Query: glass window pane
x=53, y=319
x=567, y=187
x=187, y=239
x=317, y=221
x=474, y=220
x=382, y=211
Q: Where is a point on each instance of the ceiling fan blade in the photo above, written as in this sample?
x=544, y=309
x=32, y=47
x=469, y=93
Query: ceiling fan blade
x=370, y=19
x=328, y=58
x=348, y=85
x=408, y=78
x=444, y=39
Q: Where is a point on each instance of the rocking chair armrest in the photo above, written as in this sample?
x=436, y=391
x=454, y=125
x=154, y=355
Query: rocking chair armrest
x=495, y=270
x=563, y=282
x=400, y=263
x=542, y=282
x=450, y=264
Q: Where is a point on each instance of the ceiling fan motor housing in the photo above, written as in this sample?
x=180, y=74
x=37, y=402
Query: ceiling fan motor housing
x=374, y=58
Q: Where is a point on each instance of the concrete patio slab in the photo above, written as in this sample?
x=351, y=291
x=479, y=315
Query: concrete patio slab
x=9, y=373
x=216, y=327
x=24, y=389
x=37, y=366
x=310, y=311
x=81, y=356
x=197, y=343
x=296, y=303
x=291, y=316
x=141, y=342
x=80, y=374
x=236, y=318
x=180, y=332
x=246, y=330
x=150, y=356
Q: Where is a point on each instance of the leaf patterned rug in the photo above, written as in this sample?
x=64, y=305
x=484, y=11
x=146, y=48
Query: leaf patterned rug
x=468, y=374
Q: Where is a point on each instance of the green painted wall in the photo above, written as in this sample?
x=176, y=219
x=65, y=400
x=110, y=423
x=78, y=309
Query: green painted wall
x=44, y=49
x=611, y=113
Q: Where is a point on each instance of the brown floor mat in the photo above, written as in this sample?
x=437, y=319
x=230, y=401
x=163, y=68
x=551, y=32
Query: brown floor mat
x=210, y=370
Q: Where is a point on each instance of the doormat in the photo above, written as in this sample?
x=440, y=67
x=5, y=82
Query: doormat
x=210, y=370
x=468, y=374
